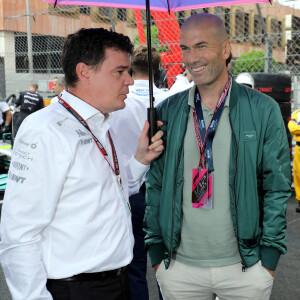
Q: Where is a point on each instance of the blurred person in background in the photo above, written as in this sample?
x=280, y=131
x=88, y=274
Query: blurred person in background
x=128, y=124
x=294, y=127
x=245, y=79
x=5, y=110
x=29, y=102
x=161, y=79
x=59, y=85
x=183, y=81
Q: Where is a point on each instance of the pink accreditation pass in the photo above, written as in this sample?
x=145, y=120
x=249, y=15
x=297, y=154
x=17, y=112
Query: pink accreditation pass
x=202, y=184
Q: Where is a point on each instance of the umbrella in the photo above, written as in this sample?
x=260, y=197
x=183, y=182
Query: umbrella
x=156, y=5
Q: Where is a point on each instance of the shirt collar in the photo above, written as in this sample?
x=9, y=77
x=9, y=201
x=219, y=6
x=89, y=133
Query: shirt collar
x=85, y=110
x=191, y=96
x=192, y=93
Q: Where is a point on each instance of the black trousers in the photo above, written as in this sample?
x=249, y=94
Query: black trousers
x=138, y=265
x=111, y=288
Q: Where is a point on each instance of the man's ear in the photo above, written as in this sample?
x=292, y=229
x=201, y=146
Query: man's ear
x=226, y=49
x=83, y=72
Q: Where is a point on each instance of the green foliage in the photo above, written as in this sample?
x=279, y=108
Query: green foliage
x=252, y=61
x=154, y=40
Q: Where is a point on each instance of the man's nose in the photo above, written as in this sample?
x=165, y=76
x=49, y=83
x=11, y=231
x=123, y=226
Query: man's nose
x=129, y=80
x=192, y=56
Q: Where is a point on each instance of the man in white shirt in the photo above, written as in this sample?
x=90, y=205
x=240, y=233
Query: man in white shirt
x=183, y=81
x=4, y=109
x=128, y=124
x=59, y=85
x=66, y=228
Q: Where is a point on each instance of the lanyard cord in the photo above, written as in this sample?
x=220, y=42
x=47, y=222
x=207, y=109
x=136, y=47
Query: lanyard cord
x=72, y=111
x=204, y=137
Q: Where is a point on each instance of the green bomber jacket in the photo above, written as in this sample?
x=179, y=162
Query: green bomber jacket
x=260, y=178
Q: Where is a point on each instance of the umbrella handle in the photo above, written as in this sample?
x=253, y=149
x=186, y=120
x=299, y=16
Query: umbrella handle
x=152, y=118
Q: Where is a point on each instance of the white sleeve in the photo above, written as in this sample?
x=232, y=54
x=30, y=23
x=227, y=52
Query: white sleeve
x=37, y=172
x=136, y=173
x=4, y=107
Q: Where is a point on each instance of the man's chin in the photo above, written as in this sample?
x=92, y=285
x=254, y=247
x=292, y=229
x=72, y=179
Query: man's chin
x=120, y=106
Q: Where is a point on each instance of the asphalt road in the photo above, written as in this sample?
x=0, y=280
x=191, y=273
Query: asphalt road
x=286, y=283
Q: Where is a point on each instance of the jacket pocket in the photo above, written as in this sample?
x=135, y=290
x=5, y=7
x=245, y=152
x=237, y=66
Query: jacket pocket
x=251, y=243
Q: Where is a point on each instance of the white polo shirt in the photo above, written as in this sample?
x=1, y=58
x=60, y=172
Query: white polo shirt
x=63, y=211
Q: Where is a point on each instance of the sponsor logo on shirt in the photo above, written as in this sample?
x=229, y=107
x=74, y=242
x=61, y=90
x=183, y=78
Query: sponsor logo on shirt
x=33, y=97
x=23, y=155
x=86, y=141
x=29, y=102
x=59, y=123
x=23, y=142
x=19, y=166
x=81, y=133
x=16, y=178
x=32, y=145
x=141, y=92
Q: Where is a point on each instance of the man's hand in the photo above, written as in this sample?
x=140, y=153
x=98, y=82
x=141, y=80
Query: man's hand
x=156, y=267
x=272, y=272
x=145, y=153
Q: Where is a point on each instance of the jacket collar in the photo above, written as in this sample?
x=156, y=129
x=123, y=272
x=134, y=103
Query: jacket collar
x=192, y=96
x=235, y=90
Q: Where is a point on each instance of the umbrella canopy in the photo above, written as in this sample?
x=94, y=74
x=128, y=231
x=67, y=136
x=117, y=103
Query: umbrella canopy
x=158, y=5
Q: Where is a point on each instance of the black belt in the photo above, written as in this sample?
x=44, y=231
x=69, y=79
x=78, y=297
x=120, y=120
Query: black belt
x=298, y=143
x=93, y=276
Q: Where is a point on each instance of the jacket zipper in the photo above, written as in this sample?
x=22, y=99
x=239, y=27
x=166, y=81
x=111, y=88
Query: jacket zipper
x=234, y=201
x=173, y=202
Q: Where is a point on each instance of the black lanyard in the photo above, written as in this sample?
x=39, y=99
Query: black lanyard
x=204, y=137
x=116, y=168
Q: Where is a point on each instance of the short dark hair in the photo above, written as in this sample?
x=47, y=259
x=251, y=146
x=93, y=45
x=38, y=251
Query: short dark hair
x=139, y=60
x=88, y=46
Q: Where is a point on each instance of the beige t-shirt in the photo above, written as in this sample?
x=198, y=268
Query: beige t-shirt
x=207, y=235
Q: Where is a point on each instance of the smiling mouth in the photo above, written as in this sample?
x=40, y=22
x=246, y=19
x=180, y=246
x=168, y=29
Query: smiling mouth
x=198, y=69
